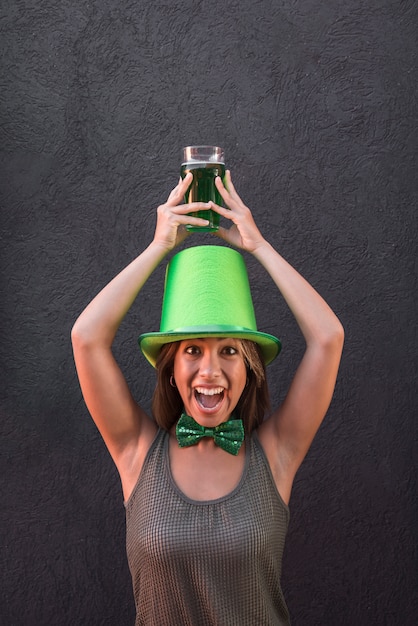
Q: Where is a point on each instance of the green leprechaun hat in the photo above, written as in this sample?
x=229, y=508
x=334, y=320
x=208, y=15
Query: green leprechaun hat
x=207, y=294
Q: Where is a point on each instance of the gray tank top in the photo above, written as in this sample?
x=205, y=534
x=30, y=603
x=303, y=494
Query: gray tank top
x=211, y=563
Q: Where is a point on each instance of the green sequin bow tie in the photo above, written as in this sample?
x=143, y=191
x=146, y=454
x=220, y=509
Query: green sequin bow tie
x=228, y=436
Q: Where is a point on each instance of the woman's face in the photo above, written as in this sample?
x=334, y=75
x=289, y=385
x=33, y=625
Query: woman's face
x=210, y=375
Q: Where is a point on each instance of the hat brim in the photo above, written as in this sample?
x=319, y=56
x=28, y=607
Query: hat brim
x=151, y=343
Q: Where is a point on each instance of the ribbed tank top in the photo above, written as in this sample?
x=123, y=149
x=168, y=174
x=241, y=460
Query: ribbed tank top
x=206, y=563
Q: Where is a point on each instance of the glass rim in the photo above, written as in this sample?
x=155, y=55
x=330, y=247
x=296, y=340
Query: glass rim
x=191, y=153
x=203, y=146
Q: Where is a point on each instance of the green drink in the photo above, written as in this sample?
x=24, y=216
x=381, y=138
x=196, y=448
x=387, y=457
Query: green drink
x=205, y=163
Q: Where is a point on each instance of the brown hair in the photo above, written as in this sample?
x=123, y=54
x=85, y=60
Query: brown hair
x=167, y=404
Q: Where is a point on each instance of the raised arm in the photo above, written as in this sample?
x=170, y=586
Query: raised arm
x=288, y=433
x=127, y=431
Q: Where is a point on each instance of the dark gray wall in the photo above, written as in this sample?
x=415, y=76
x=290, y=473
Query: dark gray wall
x=315, y=104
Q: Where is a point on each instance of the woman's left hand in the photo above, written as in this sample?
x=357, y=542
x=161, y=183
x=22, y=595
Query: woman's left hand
x=244, y=232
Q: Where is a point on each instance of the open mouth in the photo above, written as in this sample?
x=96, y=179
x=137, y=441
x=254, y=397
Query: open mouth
x=209, y=398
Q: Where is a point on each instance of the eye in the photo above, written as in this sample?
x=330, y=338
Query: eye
x=229, y=351
x=192, y=350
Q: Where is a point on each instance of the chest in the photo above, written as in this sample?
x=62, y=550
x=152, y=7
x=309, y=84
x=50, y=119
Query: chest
x=170, y=531
x=165, y=524
x=204, y=475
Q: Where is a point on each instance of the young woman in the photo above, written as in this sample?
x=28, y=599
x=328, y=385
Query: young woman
x=206, y=522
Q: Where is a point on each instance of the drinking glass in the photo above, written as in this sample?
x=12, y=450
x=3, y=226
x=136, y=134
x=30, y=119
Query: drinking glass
x=205, y=163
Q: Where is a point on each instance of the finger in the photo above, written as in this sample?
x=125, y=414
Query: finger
x=220, y=183
x=227, y=188
x=225, y=181
x=227, y=235
x=222, y=189
x=231, y=198
x=189, y=220
x=230, y=186
x=221, y=210
x=178, y=192
x=182, y=185
x=192, y=207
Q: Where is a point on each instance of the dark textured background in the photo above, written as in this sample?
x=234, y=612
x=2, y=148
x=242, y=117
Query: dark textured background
x=314, y=102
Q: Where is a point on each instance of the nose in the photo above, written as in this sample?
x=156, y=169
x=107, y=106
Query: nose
x=209, y=364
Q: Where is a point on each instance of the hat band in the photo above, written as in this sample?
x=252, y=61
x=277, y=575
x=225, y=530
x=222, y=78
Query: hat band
x=209, y=328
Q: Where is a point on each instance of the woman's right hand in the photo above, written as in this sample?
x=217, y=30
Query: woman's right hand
x=173, y=216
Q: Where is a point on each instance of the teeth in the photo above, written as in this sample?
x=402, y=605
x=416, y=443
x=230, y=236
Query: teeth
x=209, y=392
